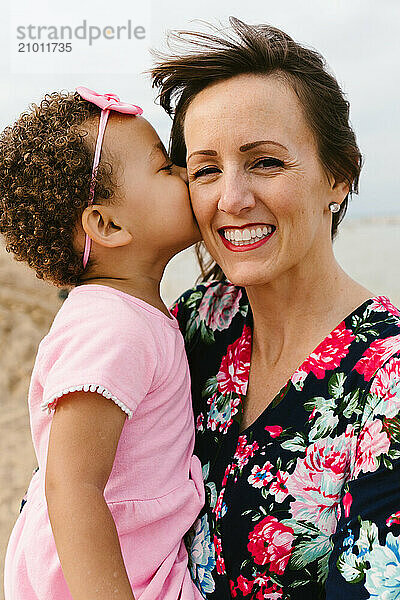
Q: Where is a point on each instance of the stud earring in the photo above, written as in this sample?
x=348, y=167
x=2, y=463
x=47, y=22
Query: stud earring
x=334, y=207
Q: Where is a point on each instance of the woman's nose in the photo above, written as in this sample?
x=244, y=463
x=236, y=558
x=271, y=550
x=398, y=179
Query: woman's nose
x=235, y=196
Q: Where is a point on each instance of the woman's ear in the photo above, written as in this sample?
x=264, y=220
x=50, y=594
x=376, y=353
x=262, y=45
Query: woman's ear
x=339, y=189
x=342, y=188
x=102, y=227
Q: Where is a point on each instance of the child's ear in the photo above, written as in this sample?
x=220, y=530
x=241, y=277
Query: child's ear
x=102, y=227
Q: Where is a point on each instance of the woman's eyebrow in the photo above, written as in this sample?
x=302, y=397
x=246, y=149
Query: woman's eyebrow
x=243, y=148
x=203, y=152
x=252, y=145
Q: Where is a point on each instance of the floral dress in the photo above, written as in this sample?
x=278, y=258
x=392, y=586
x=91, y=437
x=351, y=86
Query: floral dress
x=305, y=502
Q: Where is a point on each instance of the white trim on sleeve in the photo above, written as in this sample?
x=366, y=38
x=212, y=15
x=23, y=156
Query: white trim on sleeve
x=50, y=404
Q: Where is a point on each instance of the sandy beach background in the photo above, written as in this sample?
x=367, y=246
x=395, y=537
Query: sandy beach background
x=368, y=249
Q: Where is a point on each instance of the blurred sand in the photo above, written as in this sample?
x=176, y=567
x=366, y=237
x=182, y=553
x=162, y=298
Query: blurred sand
x=368, y=249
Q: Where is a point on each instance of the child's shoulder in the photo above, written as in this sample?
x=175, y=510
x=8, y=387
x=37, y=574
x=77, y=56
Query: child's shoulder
x=104, y=313
x=101, y=328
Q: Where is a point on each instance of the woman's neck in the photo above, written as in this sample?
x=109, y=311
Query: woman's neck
x=298, y=308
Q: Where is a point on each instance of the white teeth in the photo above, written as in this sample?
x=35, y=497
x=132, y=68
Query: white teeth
x=246, y=237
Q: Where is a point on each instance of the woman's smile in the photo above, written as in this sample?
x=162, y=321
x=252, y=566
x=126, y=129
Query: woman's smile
x=247, y=237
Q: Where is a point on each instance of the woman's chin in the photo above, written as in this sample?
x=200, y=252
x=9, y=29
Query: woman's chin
x=245, y=277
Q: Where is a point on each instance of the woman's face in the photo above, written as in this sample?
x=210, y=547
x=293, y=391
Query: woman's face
x=258, y=189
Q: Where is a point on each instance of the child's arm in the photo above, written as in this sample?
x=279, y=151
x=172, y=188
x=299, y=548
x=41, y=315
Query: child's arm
x=84, y=436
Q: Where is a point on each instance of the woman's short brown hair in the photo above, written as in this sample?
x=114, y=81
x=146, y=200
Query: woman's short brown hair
x=259, y=49
x=45, y=175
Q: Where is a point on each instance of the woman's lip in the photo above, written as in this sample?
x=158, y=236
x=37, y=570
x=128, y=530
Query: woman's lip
x=247, y=247
x=247, y=226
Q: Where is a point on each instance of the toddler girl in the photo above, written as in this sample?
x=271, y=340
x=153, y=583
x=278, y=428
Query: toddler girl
x=109, y=399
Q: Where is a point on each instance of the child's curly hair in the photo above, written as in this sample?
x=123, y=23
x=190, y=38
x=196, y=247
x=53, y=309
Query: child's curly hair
x=45, y=175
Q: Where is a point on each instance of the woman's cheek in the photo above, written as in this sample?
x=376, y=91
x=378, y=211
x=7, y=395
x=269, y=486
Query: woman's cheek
x=203, y=206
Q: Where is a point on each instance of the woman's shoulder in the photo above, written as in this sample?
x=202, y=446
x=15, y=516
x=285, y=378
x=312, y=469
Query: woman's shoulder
x=208, y=308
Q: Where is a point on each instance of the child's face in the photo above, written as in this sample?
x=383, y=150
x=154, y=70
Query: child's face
x=155, y=205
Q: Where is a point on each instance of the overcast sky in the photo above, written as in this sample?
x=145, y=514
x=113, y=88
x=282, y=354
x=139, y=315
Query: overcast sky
x=358, y=38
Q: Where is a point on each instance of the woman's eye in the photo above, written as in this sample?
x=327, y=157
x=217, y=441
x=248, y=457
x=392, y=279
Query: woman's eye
x=167, y=167
x=205, y=171
x=268, y=162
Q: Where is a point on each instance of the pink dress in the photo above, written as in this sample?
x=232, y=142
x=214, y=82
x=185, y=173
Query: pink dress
x=107, y=341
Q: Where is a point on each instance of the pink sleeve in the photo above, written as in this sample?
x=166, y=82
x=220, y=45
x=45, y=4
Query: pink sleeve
x=114, y=355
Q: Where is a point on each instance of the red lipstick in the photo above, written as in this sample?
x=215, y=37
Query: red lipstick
x=245, y=247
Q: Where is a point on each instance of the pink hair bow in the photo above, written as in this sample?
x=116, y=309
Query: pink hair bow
x=108, y=101
x=105, y=102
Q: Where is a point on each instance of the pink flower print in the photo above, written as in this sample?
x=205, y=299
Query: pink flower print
x=228, y=470
x=221, y=418
x=347, y=502
x=298, y=378
x=244, y=585
x=219, y=305
x=312, y=414
x=394, y=519
x=338, y=512
x=218, y=553
x=383, y=304
x=200, y=422
x=235, y=366
x=386, y=387
x=271, y=542
x=317, y=481
x=220, y=507
x=376, y=355
x=326, y=357
x=174, y=309
x=278, y=486
x=274, y=430
x=244, y=451
x=261, y=476
x=372, y=442
x=267, y=589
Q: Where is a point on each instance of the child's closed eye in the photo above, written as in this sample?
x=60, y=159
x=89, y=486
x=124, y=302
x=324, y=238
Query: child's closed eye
x=167, y=165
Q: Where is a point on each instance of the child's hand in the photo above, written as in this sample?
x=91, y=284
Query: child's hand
x=84, y=436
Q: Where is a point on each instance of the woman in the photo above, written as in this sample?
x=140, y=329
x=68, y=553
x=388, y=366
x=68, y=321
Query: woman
x=295, y=366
